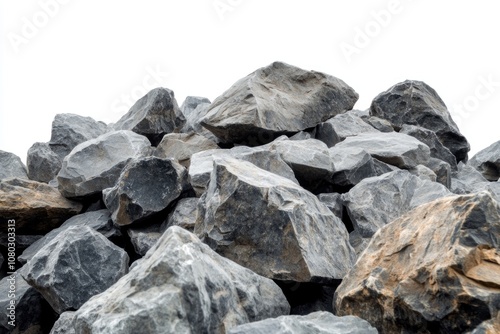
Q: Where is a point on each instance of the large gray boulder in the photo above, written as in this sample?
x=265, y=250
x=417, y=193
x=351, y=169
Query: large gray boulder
x=487, y=162
x=43, y=163
x=271, y=225
x=181, y=146
x=64, y=325
x=434, y=270
x=181, y=286
x=96, y=164
x=153, y=116
x=415, y=103
x=74, y=266
x=146, y=186
x=316, y=322
x=11, y=166
x=340, y=127
x=274, y=100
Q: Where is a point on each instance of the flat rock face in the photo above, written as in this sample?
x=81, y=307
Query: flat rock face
x=52, y=270
x=143, y=238
x=96, y=164
x=487, y=162
x=340, y=127
x=317, y=322
x=181, y=286
x=11, y=166
x=271, y=225
x=436, y=269
x=277, y=99
x=415, y=103
x=153, y=116
x=36, y=207
x=146, y=186
x=467, y=180
x=181, y=146
x=184, y=215
x=394, y=148
x=43, y=163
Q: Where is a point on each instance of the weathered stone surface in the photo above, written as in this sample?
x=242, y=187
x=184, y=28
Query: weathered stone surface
x=467, y=180
x=96, y=164
x=43, y=163
x=64, y=325
x=36, y=207
x=271, y=225
x=181, y=286
x=303, y=135
x=194, y=109
x=436, y=269
x=340, y=127
x=415, y=103
x=380, y=124
x=333, y=201
x=423, y=172
x=69, y=130
x=274, y=100
x=394, y=148
x=184, y=215
x=487, y=162
x=491, y=326
x=153, y=116
x=146, y=186
x=100, y=221
x=442, y=170
x=143, y=238
x=11, y=166
x=430, y=139
x=181, y=146
x=317, y=322
x=376, y=201
x=76, y=265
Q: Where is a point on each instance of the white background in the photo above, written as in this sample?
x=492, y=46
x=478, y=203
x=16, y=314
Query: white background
x=95, y=58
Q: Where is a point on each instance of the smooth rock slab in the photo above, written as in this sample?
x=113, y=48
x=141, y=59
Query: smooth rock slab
x=43, y=163
x=271, y=225
x=317, y=323
x=182, y=146
x=181, y=286
x=435, y=269
x=274, y=100
x=76, y=265
x=11, y=166
x=487, y=162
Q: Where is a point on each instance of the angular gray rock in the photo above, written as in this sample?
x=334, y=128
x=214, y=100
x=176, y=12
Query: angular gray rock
x=434, y=270
x=64, y=325
x=423, y=172
x=380, y=124
x=143, y=238
x=317, y=323
x=100, y=221
x=181, y=286
x=442, y=170
x=487, y=162
x=181, y=146
x=271, y=225
x=153, y=116
x=43, y=163
x=274, y=100
x=76, y=265
x=146, y=186
x=467, y=180
x=11, y=166
x=340, y=127
x=393, y=148
x=69, y=130
x=184, y=215
x=415, y=103
x=96, y=164
x=194, y=109
x=333, y=201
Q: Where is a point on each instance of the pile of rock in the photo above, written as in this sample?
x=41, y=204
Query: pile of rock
x=275, y=209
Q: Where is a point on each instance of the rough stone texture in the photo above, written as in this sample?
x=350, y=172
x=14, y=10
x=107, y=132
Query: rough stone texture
x=423, y=172
x=181, y=286
x=467, y=180
x=334, y=202
x=274, y=100
x=194, y=109
x=487, y=162
x=153, y=116
x=143, y=238
x=394, y=148
x=430, y=139
x=415, y=103
x=436, y=269
x=100, y=221
x=43, y=163
x=491, y=326
x=52, y=272
x=11, y=166
x=342, y=126
x=184, y=215
x=271, y=225
x=442, y=170
x=376, y=201
x=146, y=186
x=36, y=207
x=96, y=164
x=380, y=124
x=64, y=325
x=317, y=323
x=69, y=130
x=181, y=146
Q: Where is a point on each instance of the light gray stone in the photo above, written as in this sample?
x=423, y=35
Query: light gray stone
x=467, y=180
x=342, y=126
x=194, y=109
x=64, y=325
x=423, y=172
x=380, y=124
x=333, y=201
x=11, y=166
x=487, y=162
x=181, y=146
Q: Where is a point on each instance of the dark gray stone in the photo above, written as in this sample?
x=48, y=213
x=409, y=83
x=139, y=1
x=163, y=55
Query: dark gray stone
x=415, y=103
x=145, y=187
x=333, y=201
x=143, y=238
x=442, y=170
x=74, y=266
x=380, y=124
x=487, y=162
x=64, y=325
x=342, y=126
x=184, y=215
x=181, y=286
x=43, y=163
x=153, y=116
x=467, y=180
x=181, y=146
x=11, y=166
x=274, y=100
